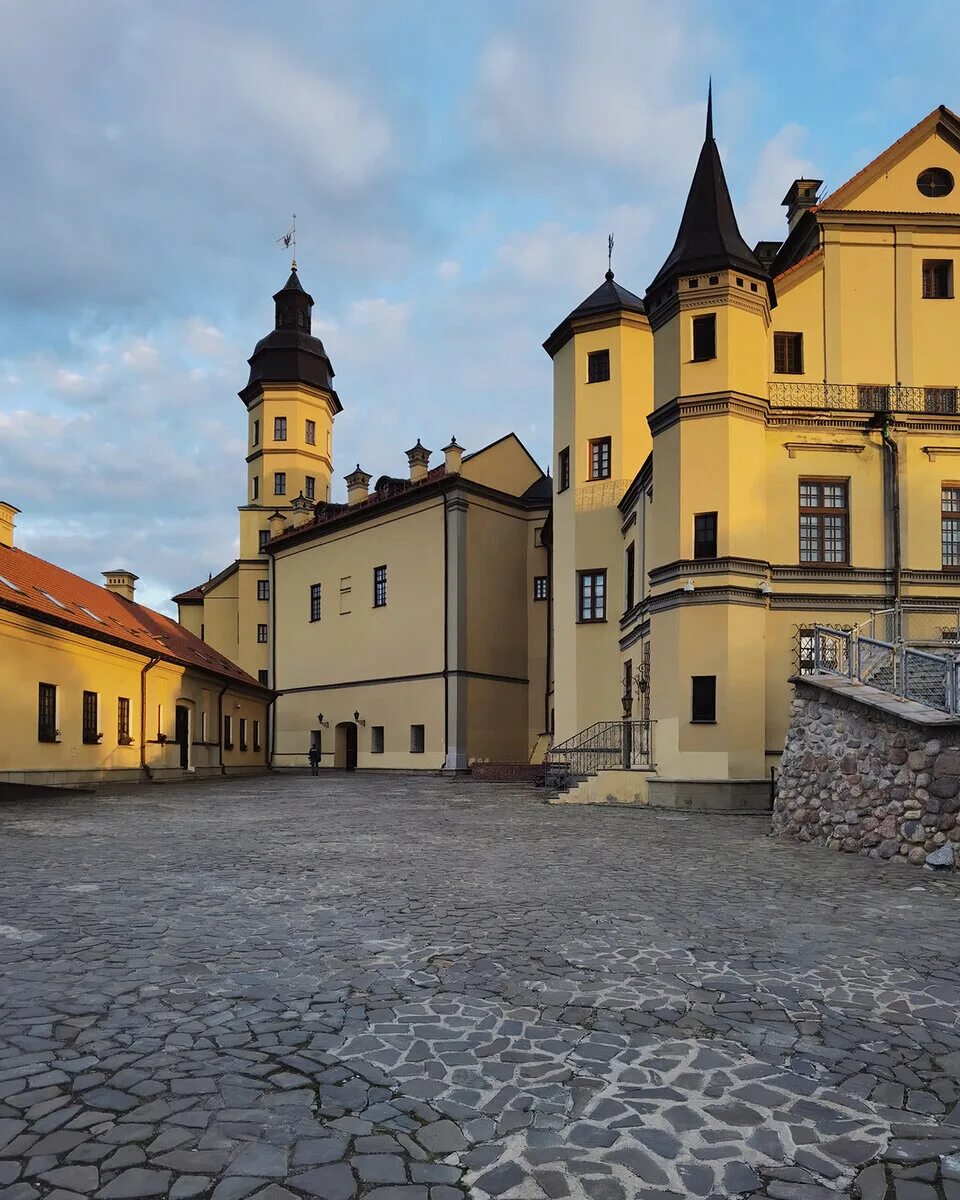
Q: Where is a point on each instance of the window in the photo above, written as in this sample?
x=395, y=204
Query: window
x=591, y=596
x=91, y=734
x=705, y=535
x=941, y=400
x=123, y=721
x=873, y=397
x=228, y=733
x=159, y=721
x=376, y=739
x=243, y=733
x=629, y=576
x=628, y=679
x=263, y=677
x=310, y=487
x=256, y=432
x=541, y=589
x=263, y=589
x=279, y=483
x=788, y=353
x=950, y=524
x=261, y=633
x=935, y=181
x=598, y=366
x=824, y=521
x=937, y=279
x=203, y=725
x=379, y=587
x=279, y=429
x=256, y=736
x=416, y=739
x=346, y=592
x=315, y=602
x=600, y=458
x=704, y=338
x=704, y=699
x=256, y=487
x=310, y=434
x=47, y=713
x=263, y=538
x=563, y=469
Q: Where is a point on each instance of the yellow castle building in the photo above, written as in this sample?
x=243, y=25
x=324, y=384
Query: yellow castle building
x=767, y=440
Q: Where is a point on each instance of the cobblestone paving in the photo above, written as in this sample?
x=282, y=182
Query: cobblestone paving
x=419, y=989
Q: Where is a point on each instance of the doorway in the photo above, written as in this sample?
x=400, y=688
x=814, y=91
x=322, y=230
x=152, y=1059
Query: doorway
x=345, y=750
x=182, y=734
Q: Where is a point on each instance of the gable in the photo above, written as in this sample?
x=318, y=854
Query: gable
x=889, y=182
x=505, y=465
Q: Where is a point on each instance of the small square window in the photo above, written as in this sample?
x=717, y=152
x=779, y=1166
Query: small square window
x=376, y=739
x=416, y=739
x=541, y=589
x=704, y=699
x=788, y=353
x=693, y=283
x=704, y=337
x=263, y=589
x=937, y=279
x=261, y=633
x=714, y=280
x=598, y=366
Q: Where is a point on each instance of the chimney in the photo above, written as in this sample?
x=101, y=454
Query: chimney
x=121, y=583
x=302, y=510
x=7, y=513
x=801, y=196
x=277, y=522
x=453, y=457
x=357, y=483
x=419, y=459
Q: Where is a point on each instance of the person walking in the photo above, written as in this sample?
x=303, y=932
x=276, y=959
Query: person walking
x=314, y=755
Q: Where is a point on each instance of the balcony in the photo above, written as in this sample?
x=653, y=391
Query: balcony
x=859, y=397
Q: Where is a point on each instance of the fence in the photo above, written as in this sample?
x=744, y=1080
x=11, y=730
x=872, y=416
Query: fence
x=602, y=746
x=924, y=626
x=913, y=674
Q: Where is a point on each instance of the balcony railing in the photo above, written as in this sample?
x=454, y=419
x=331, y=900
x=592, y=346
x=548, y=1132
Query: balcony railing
x=860, y=397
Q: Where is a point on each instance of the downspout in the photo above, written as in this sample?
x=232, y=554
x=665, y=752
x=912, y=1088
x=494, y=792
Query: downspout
x=223, y=769
x=893, y=497
x=147, y=666
x=548, y=678
x=272, y=677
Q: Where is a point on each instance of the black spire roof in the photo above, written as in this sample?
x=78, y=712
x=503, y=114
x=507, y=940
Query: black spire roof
x=609, y=297
x=708, y=239
x=290, y=353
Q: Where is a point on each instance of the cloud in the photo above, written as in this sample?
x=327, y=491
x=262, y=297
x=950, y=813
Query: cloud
x=780, y=162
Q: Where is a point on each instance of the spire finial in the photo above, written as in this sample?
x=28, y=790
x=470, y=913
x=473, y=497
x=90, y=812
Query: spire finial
x=709, y=133
x=609, y=257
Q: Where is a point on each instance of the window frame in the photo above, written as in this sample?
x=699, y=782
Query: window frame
x=123, y=721
x=227, y=731
x=702, y=322
x=47, y=698
x=255, y=440
x=703, y=521
x=380, y=586
x=598, y=366
x=263, y=536
x=931, y=284
x=416, y=738
x=563, y=469
x=784, y=350
x=951, y=516
x=263, y=632
x=707, y=699
x=541, y=587
x=377, y=739
x=316, y=602
x=597, y=600
x=600, y=461
x=821, y=511
x=310, y=432
x=279, y=429
x=256, y=736
x=263, y=676
x=279, y=483
x=90, y=718
x=255, y=487
x=263, y=589
x=630, y=576
x=310, y=487
x=243, y=734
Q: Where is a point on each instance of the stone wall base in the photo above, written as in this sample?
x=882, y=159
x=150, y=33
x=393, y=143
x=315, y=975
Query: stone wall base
x=17, y=784
x=710, y=795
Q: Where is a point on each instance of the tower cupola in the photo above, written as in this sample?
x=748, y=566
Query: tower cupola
x=293, y=304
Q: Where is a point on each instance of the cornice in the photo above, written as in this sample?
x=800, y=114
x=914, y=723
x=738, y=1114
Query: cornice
x=713, y=595
x=718, y=296
x=806, y=573
x=728, y=565
x=817, y=601
x=795, y=448
x=706, y=404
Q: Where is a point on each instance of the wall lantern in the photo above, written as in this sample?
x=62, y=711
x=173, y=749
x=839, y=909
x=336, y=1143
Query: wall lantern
x=356, y=717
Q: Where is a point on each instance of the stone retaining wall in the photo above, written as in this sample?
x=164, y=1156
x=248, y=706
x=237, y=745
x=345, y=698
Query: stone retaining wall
x=863, y=780
x=506, y=772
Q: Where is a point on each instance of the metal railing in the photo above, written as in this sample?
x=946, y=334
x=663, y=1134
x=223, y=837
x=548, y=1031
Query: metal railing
x=603, y=746
x=859, y=397
x=917, y=625
x=902, y=670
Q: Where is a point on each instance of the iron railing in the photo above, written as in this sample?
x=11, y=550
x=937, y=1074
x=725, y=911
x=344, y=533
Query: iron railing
x=603, y=746
x=902, y=670
x=859, y=397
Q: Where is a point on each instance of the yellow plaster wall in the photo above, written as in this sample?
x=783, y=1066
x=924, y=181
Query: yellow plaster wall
x=505, y=466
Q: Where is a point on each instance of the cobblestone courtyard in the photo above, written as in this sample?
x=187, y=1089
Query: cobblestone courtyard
x=416, y=989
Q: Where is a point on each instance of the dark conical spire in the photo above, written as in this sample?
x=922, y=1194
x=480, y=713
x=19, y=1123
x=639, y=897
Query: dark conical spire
x=708, y=239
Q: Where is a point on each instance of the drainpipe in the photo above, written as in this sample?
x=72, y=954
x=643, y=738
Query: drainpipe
x=147, y=666
x=893, y=498
x=223, y=769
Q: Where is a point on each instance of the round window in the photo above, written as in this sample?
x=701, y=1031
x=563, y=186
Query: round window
x=935, y=181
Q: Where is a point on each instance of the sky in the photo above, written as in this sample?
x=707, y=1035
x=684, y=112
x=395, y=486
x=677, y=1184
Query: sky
x=455, y=168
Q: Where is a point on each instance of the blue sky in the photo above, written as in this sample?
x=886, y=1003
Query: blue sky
x=455, y=168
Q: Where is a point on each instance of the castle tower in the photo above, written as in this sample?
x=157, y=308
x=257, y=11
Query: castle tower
x=709, y=309
x=291, y=405
x=602, y=395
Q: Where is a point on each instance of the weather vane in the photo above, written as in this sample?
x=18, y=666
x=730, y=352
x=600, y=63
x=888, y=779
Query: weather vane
x=610, y=252
x=290, y=240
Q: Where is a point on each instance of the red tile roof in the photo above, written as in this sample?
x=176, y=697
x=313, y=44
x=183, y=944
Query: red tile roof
x=49, y=593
